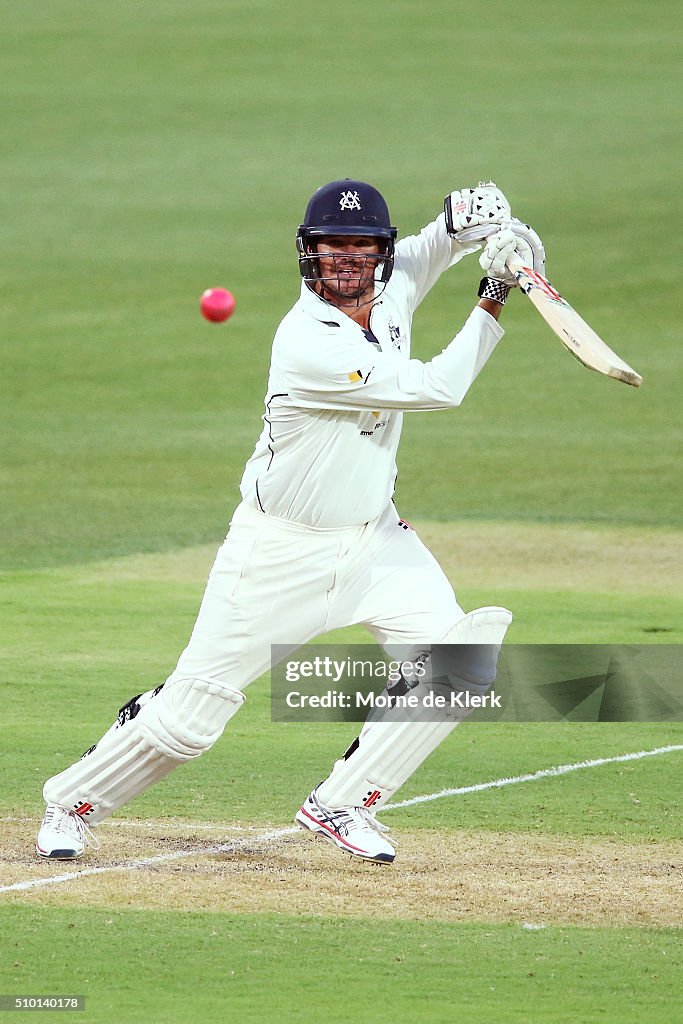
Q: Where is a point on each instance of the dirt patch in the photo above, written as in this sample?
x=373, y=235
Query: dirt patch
x=460, y=876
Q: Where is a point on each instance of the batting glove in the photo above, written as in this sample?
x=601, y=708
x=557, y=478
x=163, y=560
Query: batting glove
x=529, y=246
x=514, y=241
x=493, y=260
x=470, y=208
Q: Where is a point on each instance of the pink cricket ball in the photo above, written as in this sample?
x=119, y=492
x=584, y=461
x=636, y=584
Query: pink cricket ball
x=217, y=304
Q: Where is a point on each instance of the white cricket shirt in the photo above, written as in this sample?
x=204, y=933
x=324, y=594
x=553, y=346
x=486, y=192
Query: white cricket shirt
x=326, y=457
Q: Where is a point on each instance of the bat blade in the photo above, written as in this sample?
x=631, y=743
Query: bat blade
x=572, y=330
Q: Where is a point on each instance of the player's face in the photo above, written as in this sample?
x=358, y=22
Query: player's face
x=347, y=268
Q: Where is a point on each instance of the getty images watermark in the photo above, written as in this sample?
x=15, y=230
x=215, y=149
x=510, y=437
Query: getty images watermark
x=518, y=682
x=366, y=673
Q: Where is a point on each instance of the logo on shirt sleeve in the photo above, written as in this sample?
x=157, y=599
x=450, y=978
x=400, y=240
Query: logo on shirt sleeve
x=357, y=375
x=394, y=335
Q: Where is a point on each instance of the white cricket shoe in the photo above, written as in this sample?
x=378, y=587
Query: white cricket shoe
x=353, y=829
x=63, y=834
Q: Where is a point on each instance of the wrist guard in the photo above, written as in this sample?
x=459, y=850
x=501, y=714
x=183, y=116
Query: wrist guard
x=490, y=288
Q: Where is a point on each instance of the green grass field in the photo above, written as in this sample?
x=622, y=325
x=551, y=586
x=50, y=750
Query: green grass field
x=151, y=151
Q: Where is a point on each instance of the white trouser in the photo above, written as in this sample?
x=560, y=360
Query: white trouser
x=275, y=582
x=272, y=582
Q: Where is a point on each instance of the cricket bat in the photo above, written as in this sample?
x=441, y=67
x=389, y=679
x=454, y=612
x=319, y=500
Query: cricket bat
x=572, y=330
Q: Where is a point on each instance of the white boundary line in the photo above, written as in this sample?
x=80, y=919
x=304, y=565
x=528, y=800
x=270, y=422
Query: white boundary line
x=278, y=833
x=544, y=773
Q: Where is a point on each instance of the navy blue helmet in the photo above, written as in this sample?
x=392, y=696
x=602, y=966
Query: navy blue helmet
x=345, y=207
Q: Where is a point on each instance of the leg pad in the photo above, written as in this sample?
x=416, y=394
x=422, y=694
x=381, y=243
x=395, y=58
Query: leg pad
x=177, y=724
x=391, y=748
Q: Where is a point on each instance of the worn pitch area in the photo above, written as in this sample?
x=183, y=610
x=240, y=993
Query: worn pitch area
x=469, y=876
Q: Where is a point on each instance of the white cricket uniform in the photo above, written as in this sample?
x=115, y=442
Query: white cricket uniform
x=316, y=543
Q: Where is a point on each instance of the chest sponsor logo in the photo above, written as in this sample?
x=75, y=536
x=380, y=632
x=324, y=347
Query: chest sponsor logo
x=376, y=426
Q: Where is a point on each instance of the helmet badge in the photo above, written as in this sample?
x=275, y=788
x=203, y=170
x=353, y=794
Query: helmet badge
x=349, y=201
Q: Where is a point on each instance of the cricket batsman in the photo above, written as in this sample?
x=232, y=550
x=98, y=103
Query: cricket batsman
x=316, y=542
